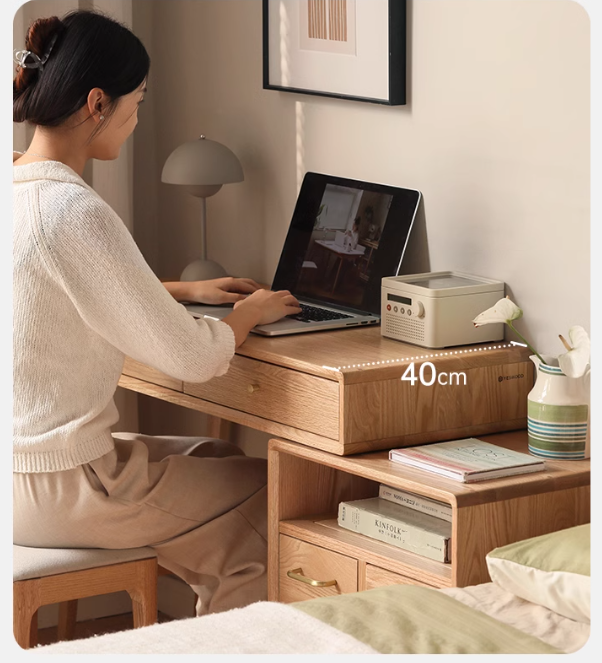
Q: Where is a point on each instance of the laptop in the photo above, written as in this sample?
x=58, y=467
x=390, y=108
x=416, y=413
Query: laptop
x=345, y=235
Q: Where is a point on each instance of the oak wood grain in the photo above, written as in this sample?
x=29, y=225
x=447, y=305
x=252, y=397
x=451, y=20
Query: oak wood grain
x=279, y=394
x=342, y=392
x=143, y=372
x=138, y=578
x=361, y=354
x=479, y=529
x=234, y=416
x=297, y=486
x=306, y=486
x=377, y=577
x=558, y=475
x=396, y=409
x=318, y=564
x=326, y=533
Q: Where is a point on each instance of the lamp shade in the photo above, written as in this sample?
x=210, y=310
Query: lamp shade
x=202, y=162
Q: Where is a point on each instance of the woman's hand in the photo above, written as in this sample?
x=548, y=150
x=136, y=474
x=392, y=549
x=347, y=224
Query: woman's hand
x=225, y=290
x=271, y=305
x=260, y=308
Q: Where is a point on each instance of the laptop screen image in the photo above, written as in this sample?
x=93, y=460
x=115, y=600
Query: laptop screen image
x=345, y=235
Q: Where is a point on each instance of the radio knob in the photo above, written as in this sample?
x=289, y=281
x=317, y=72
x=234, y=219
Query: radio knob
x=420, y=313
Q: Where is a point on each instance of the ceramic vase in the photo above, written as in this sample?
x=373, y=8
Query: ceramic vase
x=558, y=412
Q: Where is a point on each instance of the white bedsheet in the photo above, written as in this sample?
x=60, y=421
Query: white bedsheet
x=275, y=628
x=260, y=628
x=554, y=629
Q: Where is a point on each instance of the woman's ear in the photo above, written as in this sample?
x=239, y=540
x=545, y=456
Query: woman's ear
x=97, y=102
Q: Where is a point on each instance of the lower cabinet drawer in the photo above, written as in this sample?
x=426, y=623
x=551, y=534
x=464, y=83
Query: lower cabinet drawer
x=377, y=577
x=301, y=563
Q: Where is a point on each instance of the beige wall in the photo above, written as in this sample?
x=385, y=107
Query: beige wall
x=496, y=135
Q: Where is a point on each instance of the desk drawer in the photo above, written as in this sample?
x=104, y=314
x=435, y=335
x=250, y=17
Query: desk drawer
x=306, y=562
x=377, y=577
x=279, y=394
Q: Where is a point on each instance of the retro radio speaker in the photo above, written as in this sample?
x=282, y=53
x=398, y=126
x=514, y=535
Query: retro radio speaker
x=436, y=309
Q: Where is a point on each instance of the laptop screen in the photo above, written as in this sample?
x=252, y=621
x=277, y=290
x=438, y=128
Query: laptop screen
x=345, y=235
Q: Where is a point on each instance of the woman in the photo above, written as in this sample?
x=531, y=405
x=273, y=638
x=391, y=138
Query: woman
x=84, y=298
x=352, y=236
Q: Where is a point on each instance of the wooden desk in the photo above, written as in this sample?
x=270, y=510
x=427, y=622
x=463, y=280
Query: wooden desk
x=340, y=391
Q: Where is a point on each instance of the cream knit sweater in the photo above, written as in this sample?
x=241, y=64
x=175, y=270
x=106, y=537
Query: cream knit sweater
x=83, y=298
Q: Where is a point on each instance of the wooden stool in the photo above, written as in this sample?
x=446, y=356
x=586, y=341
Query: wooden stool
x=43, y=576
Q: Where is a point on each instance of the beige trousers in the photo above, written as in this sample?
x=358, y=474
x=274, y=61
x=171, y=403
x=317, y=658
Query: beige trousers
x=200, y=503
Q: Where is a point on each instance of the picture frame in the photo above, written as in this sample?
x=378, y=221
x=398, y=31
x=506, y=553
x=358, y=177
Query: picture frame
x=346, y=49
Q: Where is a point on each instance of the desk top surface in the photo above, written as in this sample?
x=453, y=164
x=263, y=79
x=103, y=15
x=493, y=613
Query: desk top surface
x=363, y=354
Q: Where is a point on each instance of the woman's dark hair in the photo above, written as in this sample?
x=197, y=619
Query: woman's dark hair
x=89, y=50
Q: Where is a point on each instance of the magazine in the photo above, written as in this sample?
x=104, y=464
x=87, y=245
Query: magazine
x=467, y=460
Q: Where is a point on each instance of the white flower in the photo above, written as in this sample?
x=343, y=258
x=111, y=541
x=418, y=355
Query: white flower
x=503, y=311
x=574, y=362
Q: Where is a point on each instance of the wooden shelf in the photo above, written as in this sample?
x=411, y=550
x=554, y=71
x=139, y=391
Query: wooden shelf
x=377, y=467
x=485, y=515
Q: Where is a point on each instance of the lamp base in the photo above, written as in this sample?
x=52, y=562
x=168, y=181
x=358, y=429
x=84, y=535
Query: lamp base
x=203, y=270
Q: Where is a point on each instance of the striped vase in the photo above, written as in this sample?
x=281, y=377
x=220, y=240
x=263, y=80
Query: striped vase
x=558, y=413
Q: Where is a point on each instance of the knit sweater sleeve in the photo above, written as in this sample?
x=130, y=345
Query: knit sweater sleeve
x=87, y=247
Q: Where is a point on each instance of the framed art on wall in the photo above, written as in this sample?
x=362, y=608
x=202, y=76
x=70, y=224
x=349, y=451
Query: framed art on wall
x=348, y=49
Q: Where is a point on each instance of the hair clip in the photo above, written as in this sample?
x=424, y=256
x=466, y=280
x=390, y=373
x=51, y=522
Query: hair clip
x=29, y=60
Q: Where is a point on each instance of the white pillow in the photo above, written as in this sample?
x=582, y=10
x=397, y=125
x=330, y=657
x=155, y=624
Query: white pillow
x=552, y=570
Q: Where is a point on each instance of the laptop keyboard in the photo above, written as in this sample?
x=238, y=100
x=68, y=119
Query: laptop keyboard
x=315, y=314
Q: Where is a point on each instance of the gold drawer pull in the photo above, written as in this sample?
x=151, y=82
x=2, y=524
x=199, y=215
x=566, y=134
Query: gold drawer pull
x=295, y=574
x=252, y=387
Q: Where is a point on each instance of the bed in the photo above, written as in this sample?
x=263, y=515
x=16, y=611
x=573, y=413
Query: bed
x=537, y=603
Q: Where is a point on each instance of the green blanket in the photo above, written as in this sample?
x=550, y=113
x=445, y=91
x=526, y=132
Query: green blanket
x=404, y=619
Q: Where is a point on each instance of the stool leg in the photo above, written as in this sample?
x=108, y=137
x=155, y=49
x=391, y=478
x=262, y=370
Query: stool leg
x=25, y=613
x=67, y=620
x=33, y=633
x=144, y=594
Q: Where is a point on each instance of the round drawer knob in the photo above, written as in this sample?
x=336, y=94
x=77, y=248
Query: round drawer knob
x=252, y=387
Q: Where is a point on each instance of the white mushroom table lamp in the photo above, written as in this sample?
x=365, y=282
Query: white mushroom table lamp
x=201, y=167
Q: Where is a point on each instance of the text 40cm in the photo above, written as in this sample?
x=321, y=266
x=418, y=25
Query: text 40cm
x=428, y=378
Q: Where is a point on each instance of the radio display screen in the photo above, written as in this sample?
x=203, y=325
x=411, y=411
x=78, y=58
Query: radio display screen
x=399, y=300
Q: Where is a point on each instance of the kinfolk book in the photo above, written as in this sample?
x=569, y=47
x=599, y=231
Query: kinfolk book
x=467, y=460
x=416, y=502
x=399, y=526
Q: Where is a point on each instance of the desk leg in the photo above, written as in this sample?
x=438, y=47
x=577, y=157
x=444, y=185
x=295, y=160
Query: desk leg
x=219, y=428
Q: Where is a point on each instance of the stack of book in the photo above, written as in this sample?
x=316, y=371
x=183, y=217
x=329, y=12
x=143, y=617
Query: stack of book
x=412, y=522
x=467, y=460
